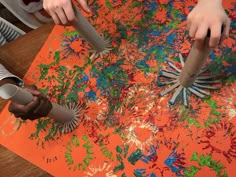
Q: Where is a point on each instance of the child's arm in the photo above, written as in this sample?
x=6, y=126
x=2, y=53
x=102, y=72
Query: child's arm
x=208, y=14
x=61, y=11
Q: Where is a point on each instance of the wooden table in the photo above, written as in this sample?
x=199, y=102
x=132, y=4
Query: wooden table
x=17, y=56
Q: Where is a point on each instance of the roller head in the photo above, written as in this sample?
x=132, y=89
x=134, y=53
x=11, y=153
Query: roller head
x=72, y=122
x=201, y=82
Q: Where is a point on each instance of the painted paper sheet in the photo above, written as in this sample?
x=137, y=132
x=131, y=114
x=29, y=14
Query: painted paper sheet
x=126, y=128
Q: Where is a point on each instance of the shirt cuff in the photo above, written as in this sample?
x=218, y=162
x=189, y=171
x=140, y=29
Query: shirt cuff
x=4, y=73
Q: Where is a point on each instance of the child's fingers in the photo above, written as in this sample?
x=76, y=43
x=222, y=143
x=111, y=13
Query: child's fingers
x=201, y=32
x=62, y=16
x=193, y=30
x=69, y=12
x=84, y=5
x=24, y=110
x=215, y=34
x=201, y=35
x=55, y=18
x=50, y=7
x=43, y=105
x=33, y=90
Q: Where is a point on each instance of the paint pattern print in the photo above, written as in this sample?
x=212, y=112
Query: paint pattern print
x=126, y=129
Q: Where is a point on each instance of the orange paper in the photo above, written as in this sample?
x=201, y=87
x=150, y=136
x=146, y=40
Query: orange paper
x=126, y=128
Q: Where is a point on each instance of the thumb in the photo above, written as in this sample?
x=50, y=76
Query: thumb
x=84, y=5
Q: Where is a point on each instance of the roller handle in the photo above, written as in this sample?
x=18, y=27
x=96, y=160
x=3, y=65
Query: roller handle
x=16, y=94
x=88, y=32
x=23, y=97
x=195, y=61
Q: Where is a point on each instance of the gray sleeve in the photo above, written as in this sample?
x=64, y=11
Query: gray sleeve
x=4, y=73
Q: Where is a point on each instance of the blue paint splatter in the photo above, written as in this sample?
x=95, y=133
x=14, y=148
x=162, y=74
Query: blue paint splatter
x=156, y=33
x=151, y=5
x=170, y=39
x=82, y=80
x=142, y=65
x=91, y=95
x=152, y=155
x=170, y=162
x=141, y=172
x=212, y=56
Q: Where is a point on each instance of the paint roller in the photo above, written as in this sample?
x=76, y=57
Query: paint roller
x=192, y=78
x=100, y=44
x=67, y=116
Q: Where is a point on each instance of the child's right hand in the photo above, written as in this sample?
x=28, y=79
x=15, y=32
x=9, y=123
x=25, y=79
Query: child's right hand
x=61, y=11
x=208, y=15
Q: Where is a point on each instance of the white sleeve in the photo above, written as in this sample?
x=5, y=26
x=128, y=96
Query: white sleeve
x=4, y=73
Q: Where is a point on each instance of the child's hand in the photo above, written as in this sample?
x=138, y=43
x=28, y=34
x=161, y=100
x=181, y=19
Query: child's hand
x=208, y=14
x=61, y=10
x=39, y=107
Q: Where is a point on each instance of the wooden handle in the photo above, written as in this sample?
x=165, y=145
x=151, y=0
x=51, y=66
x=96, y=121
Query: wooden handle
x=88, y=32
x=194, y=63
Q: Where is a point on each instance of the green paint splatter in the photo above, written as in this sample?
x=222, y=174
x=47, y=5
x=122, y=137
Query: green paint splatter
x=174, y=24
x=185, y=117
x=108, y=4
x=121, y=154
x=135, y=156
x=75, y=142
x=214, y=114
x=20, y=123
x=45, y=125
x=207, y=162
x=104, y=149
x=191, y=172
x=212, y=104
x=57, y=56
x=194, y=157
x=70, y=33
x=119, y=167
x=41, y=125
x=211, y=121
x=44, y=91
x=193, y=122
